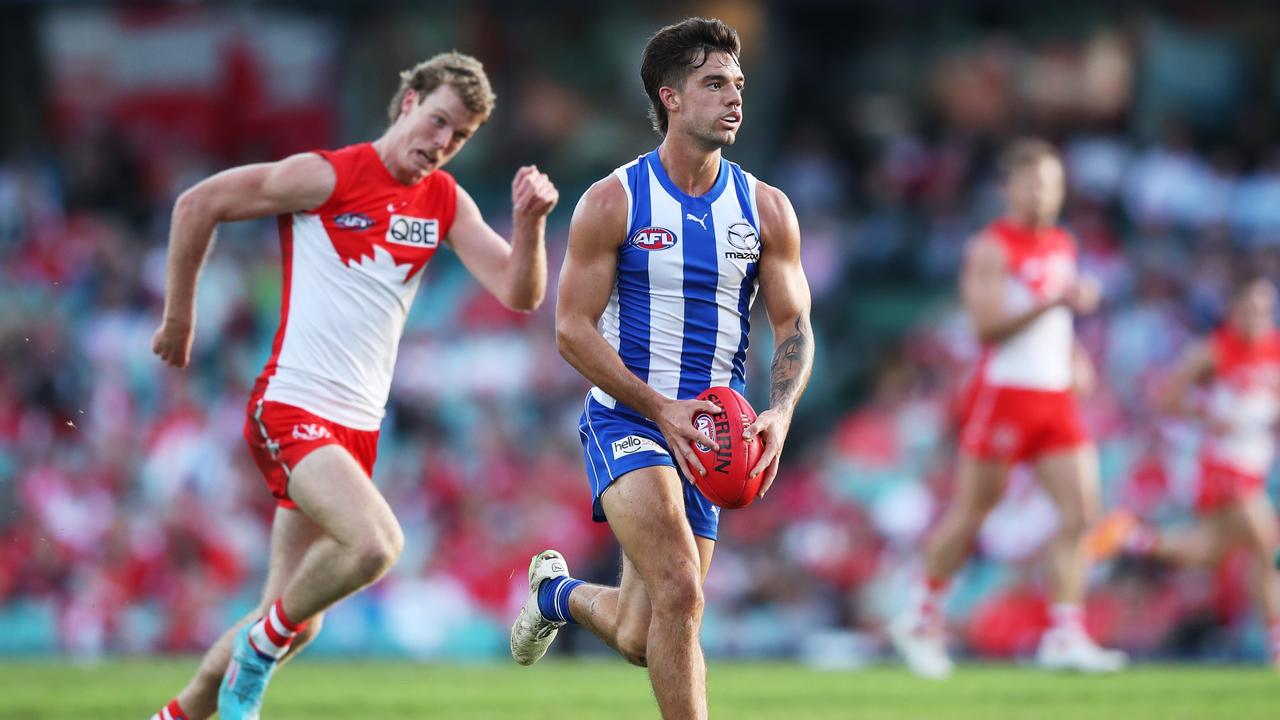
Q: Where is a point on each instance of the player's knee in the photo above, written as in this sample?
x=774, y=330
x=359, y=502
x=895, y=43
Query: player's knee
x=1072, y=526
x=1075, y=523
x=1269, y=538
x=1264, y=540
x=633, y=643
x=678, y=596
x=374, y=560
x=377, y=554
x=394, y=537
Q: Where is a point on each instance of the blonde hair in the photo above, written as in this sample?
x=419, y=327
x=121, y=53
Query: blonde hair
x=1026, y=151
x=463, y=73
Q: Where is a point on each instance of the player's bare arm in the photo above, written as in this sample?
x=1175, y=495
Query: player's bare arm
x=982, y=291
x=787, y=302
x=1084, y=377
x=297, y=183
x=515, y=273
x=1195, y=367
x=590, y=266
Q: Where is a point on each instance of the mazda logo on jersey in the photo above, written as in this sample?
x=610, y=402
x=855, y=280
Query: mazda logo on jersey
x=653, y=238
x=412, y=231
x=743, y=236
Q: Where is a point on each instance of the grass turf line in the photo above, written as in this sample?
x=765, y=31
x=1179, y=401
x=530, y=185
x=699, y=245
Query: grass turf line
x=614, y=691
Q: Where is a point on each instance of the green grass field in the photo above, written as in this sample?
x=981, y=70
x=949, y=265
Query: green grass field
x=613, y=691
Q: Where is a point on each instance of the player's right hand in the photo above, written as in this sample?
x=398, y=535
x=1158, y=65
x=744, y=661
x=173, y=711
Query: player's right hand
x=675, y=420
x=1083, y=296
x=532, y=193
x=172, y=342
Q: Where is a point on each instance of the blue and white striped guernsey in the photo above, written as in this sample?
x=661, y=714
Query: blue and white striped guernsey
x=680, y=310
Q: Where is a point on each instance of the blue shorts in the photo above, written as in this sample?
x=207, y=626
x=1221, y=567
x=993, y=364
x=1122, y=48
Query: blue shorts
x=619, y=440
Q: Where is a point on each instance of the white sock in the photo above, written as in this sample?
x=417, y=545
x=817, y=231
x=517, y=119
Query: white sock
x=1066, y=616
x=273, y=634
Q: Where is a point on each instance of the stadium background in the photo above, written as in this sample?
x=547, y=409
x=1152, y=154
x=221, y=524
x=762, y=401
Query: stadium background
x=132, y=521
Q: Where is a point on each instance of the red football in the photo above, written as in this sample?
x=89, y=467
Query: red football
x=728, y=482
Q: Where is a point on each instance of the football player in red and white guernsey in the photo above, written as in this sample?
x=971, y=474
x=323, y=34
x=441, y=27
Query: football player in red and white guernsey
x=1230, y=381
x=1020, y=288
x=357, y=226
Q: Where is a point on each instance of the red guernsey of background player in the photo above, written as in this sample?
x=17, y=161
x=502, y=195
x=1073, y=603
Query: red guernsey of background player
x=357, y=226
x=1230, y=382
x=1020, y=288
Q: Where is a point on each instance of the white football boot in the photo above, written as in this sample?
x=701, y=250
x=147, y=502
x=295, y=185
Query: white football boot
x=532, y=633
x=1071, y=648
x=923, y=645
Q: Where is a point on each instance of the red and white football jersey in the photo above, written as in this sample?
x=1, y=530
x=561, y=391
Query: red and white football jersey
x=351, y=269
x=1244, y=396
x=1041, y=264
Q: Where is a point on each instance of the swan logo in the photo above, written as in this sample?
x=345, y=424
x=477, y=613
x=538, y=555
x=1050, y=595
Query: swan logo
x=308, y=432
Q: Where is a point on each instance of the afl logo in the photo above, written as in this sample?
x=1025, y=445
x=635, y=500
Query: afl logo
x=743, y=236
x=707, y=426
x=653, y=238
x=353, y=221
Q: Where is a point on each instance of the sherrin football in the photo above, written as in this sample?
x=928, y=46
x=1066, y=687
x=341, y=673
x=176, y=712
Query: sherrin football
x=728, y=482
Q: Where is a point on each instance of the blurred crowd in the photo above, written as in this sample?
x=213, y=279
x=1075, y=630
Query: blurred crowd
x=131, y=516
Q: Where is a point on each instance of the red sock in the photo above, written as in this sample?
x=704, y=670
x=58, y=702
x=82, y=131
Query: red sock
x=172, y=711
x=273, y=634
x=932, y=592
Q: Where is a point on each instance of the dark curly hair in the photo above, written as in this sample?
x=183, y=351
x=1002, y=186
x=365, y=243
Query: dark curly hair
x=675, y=51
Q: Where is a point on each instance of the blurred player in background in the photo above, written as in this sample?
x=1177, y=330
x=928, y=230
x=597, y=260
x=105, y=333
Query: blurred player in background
x=665, y=257
x=1229, y=381
x=357, y=226
x=1020, y=288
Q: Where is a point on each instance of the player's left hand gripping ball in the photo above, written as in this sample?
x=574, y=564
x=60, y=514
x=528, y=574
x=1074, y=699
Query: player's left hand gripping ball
x=729, y=480
x=769, y=431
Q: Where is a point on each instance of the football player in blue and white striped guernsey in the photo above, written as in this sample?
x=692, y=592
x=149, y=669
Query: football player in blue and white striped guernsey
x=664, y=261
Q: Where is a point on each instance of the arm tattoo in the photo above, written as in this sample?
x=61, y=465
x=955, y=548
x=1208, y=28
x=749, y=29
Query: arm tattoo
x=792, y=362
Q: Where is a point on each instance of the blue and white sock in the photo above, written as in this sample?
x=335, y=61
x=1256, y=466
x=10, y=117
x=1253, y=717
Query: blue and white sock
x=553, y=598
